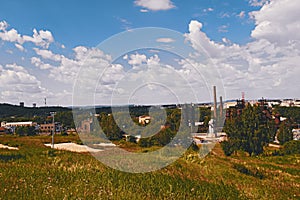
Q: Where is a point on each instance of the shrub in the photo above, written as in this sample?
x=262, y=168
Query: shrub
x=291, y=147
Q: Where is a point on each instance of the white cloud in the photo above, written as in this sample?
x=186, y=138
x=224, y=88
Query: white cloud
x=258, y=2
x=11, y=36
x=155, y=5
x=47, y=54
x=144, y=10
x=208, y=10
x=226, y=41
x=16, y=84
x=125, y=23
x=223, y=29
x=260, y=68
x=278, y=22
x=165, y=40
x=137, y=59
x=153, y=60
x=242, y=14
x=42, y=38
x=40, y=64
x=3, y=25
x=20, y=47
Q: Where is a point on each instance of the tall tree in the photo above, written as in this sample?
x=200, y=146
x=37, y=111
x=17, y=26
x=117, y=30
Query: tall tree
x=250, y=131
x=284, y=133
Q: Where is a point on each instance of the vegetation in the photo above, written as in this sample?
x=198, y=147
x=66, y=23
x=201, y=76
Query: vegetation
x=250, y=131
x=25, y=131
x=284, y=133
x=38, y=172
x=291, y=147
x=291, y=113
x=12, y=112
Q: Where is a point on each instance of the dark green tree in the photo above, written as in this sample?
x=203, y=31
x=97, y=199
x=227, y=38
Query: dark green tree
x=25, y=130
x=284, y=133
x=250, y=131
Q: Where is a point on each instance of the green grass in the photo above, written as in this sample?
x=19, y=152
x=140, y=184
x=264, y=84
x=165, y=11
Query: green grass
x=38, y=172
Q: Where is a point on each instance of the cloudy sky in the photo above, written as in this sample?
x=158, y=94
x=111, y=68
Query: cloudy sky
x=48, y=48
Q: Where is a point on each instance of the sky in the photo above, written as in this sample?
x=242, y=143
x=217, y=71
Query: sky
x=49, y=48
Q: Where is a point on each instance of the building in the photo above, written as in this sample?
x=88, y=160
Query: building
x=17, y=124
x=229, y=104
x=287, y=103
x=85, y=126
x=11, y=126
x=296, y=133
x=3, y=131
x=46, y=129
x=144, y=119
x=297, y=103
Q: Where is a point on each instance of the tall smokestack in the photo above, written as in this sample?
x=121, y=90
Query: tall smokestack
x=221, y=107
x=215, y=102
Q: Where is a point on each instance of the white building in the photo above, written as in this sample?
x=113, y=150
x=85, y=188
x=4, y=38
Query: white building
x=296, y=134
x=17, y=124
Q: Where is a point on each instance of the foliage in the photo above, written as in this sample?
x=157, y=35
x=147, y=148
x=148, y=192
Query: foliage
x=250, y=131
x=229, y=147
x=12, y=112
x=284, y=133
x=292, y=113
x=291, y=147
x=25, y=130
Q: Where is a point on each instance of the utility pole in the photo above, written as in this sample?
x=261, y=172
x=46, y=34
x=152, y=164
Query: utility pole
x=53, y=131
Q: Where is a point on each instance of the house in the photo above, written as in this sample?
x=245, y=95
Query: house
x=46, y=129
x=85, y=126
x=3, y=131
x=296, y=133
x=144, y=119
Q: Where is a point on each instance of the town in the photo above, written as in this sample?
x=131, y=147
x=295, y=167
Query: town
x=61, y=121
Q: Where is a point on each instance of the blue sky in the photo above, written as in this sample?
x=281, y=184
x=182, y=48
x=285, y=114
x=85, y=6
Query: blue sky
x=88, y=23
x=251, y=43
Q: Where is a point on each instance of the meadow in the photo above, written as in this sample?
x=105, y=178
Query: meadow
x=38, y=172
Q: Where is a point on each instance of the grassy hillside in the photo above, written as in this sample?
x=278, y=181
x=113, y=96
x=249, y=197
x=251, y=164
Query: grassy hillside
x=37, y=172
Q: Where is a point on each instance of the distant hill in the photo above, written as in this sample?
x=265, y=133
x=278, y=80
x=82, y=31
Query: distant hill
x=8, y=111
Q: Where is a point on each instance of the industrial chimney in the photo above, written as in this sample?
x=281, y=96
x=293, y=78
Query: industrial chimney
x=215, y=102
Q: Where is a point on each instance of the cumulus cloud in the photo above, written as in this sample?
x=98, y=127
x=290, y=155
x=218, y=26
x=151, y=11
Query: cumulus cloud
x=42, y=38
x=137, y=59
x=155, y=5
x=259, y=67
x=47, y=54
x=3, y=25
x=17, y=84
x=40, y=64
x=11, y=36
x=277, y=21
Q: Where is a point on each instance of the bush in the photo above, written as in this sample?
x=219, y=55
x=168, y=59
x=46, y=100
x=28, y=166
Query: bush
x=291, y=147
x=228, y=147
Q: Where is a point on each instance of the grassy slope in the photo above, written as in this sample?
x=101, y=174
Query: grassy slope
x=37, y=172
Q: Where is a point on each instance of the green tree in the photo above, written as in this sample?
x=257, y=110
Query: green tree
x=291, y=147
x=284, y=133
x=250, y=131
x=25, y=130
